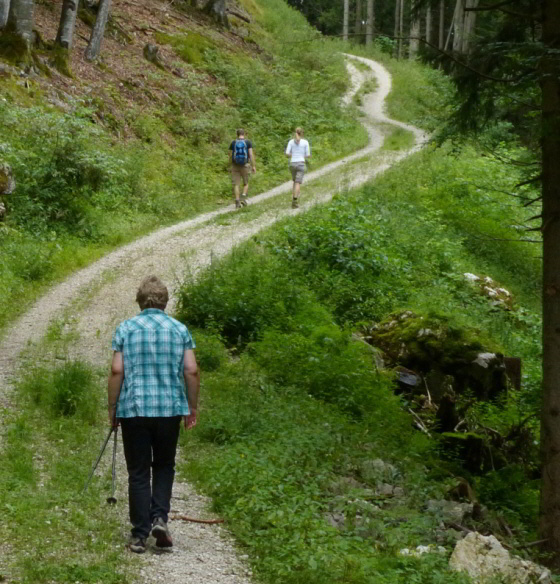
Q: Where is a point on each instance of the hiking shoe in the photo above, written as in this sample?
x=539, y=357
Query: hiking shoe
x=243, y=200
x=137, y=545
x=237, y=204
x=161, y=532
x=295, y=203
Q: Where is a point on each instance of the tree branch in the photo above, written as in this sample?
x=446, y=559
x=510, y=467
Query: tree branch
x=532, y=201
x=488, y=6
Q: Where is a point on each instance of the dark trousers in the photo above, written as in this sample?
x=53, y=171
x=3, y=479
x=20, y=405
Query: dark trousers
x=149, y=444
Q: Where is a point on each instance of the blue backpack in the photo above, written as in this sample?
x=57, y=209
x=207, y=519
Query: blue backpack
x=240, y=154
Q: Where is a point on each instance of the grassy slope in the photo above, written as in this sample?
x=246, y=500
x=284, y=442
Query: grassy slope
x=157, y=152
x=274, y=460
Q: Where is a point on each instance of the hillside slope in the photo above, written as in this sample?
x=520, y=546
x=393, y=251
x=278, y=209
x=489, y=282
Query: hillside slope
x=125, y=145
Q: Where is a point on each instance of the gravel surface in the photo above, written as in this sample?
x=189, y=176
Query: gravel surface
x=98, y=297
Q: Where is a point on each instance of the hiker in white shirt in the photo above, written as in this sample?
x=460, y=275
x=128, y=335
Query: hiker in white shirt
x=298, y=150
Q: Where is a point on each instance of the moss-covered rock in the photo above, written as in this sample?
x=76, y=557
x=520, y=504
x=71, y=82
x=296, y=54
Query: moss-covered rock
x=443, y=353
x=14, y=48
x=424, y=342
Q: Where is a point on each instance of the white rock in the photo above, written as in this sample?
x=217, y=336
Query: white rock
x=484, y=359
x=471, y=277
x=423, y=549
x=484, y=558
x=425, y=332
x=450, y=511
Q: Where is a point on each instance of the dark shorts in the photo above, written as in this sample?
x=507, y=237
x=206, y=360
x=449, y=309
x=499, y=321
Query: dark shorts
x=298, y=170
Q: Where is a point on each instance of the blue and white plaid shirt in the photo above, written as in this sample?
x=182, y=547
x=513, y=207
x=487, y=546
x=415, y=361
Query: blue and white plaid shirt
x=153, y=346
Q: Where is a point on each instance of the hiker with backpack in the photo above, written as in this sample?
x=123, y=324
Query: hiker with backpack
x=240, y=154
x=298, y=150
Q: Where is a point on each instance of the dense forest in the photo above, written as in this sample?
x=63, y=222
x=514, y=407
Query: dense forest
x=381, y=373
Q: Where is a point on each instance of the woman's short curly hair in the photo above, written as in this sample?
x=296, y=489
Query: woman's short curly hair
x=152, y=293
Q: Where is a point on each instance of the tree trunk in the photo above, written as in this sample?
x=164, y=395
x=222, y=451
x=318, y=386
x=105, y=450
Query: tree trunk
x=345, y=20
x=396, y=34
x=20, y=19
x=429, y=22
x=549, y=516
x=369, y=22
x=414, y=41
x=218, y=11
x=358, y=21
x=458, y=26
x=94, y=46
x=441, y=23
x=401, y=20
x=469, y=20
x=67, y=23
x=4, y=10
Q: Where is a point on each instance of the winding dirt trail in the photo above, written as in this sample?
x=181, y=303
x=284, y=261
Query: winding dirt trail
x=202, y=553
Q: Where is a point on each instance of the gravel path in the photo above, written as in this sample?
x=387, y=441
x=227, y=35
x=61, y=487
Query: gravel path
x=98, y=297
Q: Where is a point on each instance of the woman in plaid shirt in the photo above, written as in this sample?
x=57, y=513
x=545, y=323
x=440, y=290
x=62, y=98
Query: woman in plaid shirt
x=153, y=362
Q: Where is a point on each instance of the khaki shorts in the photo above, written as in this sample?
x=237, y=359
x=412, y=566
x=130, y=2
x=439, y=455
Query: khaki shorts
x=298, y=170
x=239, y=172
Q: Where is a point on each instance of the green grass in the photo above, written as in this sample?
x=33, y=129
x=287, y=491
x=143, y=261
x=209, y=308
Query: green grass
x=276, y=462
x=190, y=47
x=48, y=449
x=399, y=139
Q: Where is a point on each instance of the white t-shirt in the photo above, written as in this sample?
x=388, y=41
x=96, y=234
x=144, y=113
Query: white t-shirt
x=298, y=151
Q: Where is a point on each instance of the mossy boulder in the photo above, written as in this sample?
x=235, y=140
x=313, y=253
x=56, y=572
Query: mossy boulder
x=423, y=342
x=443, y=353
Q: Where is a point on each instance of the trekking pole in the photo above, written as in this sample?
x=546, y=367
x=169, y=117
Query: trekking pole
x=98, y=458
x=112, y=500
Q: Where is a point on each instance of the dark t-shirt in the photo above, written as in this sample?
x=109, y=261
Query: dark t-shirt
x=249, y=145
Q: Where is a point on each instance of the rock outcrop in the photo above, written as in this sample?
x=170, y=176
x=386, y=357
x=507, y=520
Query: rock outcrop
x=484, y=559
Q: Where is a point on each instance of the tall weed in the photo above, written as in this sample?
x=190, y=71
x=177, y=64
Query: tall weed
x=69, y=390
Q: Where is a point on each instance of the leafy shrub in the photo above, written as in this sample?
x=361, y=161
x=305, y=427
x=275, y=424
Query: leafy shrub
x=210, y=352
x=239, y=300
x=327, y=365
x=59, y=166
x=509, y=491
x=69, y=390
x=27, y=260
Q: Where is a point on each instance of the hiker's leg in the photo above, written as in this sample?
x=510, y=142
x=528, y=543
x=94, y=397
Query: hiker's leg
x=136, y=436
x=245, y=177
x=164, y=447
x=298, y=173
x=235, y=181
